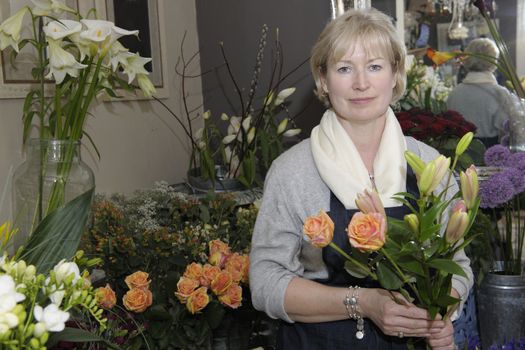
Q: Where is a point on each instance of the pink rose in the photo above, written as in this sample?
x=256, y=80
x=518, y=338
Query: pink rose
x=367, y=232
x=319, y=229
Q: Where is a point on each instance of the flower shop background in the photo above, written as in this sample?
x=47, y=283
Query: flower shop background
x=139, y=143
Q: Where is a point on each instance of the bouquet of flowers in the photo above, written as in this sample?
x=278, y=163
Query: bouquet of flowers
x=502, y=192
x=414, y=255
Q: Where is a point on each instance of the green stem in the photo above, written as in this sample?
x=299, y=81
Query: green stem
x=400, y=273
x=352, y=260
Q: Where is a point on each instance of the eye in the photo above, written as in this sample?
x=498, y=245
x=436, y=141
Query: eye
x=344, y=69
x=375, y=67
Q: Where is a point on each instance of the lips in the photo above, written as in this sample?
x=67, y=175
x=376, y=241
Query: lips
x=361, y=100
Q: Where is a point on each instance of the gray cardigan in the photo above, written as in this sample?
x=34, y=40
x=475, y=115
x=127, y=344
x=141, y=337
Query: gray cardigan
x=293, y=191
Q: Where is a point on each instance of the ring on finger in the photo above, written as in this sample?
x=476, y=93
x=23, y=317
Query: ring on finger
x=400, y=334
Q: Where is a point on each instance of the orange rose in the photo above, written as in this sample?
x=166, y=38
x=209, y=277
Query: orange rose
x=185, y=287
x=106, y=297
x=367, y=232
x=232, y=297
x=236, y=266
x=209, y=272
x=193, y=271
x=139, y=280
x=198, y=300
x=137, y=300
x=319, y=229
x=218, y=253
x=221, y=282
x=246, y=269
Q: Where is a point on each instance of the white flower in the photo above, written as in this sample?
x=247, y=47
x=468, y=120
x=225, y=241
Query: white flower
x=198, y=133
x=59, y=30
x=117, y=54
x=133, y=65
x=246, y=123
x=282, y=126
x=46, y=7
x=145, y=85
x=64, y=269
x=251, y=135
x=8, y=294
x=283, y=95
x=10, y=30
x=57, y=297
x=52, y=318
x=62, y=62
x=228, y=138
x=235, y=125
x=104, y=31
x=292, y=132
x=224, y=116
x=9, y=319
x=40, y=329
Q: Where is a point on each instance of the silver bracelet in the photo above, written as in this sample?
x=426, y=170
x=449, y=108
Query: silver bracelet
x=351, y=302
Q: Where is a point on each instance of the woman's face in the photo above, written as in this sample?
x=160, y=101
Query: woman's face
x=359, y=86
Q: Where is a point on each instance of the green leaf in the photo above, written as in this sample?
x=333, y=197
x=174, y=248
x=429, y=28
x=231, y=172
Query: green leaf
x=411, y=265
x=387, y=277
x=158, y=313
x=214, y=314
x=76, y=335
x=58, y=235
x=446, y=300
x=448, y=266
x=356, y=270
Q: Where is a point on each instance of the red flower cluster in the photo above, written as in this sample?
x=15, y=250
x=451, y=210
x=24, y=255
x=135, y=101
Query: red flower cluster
x=426, y=126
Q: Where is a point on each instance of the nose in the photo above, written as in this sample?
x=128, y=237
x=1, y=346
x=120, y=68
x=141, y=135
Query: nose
x=361, y=80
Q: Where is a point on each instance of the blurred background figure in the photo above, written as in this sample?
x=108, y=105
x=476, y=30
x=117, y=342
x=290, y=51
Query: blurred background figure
x=478, y=97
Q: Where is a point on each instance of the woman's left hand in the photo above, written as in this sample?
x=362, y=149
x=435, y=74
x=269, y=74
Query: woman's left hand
x=444, y=339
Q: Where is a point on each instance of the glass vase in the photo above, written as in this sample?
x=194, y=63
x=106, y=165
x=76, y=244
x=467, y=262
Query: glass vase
x=52, y=175
x=516, y=125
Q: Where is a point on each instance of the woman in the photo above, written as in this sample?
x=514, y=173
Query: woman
x=358, y=66
x=479, y=98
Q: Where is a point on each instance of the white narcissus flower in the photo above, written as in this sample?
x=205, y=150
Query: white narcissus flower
x=135, y=65
x=51, y=317
x=291, y=132
x=145, y=85
x=61, y=62
x=8, y=294
x=59, y=30
x=283, y=95
x=46, y=7
x=64, y=269
x=10, y=30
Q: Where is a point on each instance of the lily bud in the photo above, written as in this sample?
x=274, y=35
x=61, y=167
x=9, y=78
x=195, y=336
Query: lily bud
x=282, y=126
x=283, y=95
x=228, y=138
x=464, y=143
x=224, y=117
x=415, y=162
x=369, y=202
x=206, y=115
x=425, y=180
x=456, y=226
x=292, y=132
x=442, y=166
x=251, y=135
x=413, y=222
x=246, y=123
x=469, y=186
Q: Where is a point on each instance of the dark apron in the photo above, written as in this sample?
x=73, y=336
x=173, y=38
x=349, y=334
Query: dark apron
x=341, y=334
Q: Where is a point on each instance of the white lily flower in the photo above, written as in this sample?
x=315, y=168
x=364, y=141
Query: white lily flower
x=47, y=7
x=282, y=126
x=59, y=30
x=117, y=55
x=251, y=135
x=51, y=317
x=246, y=123
x=83, y=45
x=292, y=132
x=135, y=65
x=64, y=269
x=10, y=30
x=9, y=297
x=145, y=85
x=61, y=63
x=228, y=138
x=283, y=95
x=97, y=30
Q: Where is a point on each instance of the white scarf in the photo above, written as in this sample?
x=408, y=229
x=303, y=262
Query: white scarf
x=343, y=170
x=480, y=78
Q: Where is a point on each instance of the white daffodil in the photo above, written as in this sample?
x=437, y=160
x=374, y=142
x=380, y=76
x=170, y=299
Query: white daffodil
x=47, y=7
x=246, y=123
x=118, y=54
x=8, y=294
x=61, y=63
x=283, y=95
x=291, y=132
x=145, y=85
x=64, y=269
x=10, y=30
x=228, y=138
x=282, y=126
x=52, y=318
x=135, y=65
x=59, y=30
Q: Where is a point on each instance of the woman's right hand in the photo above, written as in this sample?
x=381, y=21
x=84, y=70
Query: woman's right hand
x=401, y=318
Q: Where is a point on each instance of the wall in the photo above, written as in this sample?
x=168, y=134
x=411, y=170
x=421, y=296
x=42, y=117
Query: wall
x=138, y=141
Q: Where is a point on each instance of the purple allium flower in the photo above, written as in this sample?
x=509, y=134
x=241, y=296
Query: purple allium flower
x=497, y=190
x=517, y=178
x=505, y=140
x=517, y=160
x=497, y=155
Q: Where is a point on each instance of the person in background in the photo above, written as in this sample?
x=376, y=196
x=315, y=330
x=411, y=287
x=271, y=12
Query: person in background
x=358, y=64
x=478, y=97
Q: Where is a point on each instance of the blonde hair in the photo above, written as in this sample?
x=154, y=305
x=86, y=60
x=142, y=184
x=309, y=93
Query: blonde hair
x=370, y=28
x=484, y=46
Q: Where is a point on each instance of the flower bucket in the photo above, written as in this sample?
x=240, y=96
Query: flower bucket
x=501, y=309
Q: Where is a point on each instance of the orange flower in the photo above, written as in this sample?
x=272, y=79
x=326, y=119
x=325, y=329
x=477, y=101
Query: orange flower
x=137, y=300
x=221, y=282
x=219, y=253
x=236, y=266
x=106, y=297
x=319, y=229
x=139, y=280
x=209, y=272
x=367, y=232
x=185, y=287
x=194, y=271
x=198, y=300
x=440, y=57
x=232, y=297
